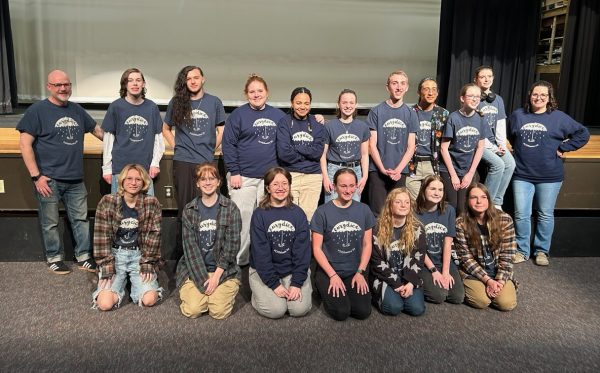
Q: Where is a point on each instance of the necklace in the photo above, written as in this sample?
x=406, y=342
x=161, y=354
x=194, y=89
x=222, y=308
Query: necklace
x=345, y=126
x=199, y=103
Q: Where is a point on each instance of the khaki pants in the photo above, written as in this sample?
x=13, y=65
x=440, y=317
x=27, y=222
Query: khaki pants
x=413, y=183
x=306, y=191
x=219, y=304
x=475, y=295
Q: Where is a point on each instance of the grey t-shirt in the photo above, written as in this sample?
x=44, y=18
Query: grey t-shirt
x=465, y=133
x=343, y=230
x=393, y=126
x=195, y=141
x=438, y=225
x=207, y=233
x=134, y=128
x=344, y=140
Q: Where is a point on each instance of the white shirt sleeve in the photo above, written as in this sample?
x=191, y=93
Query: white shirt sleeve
x=158, y=151
x=501, y=133
x=107, y=147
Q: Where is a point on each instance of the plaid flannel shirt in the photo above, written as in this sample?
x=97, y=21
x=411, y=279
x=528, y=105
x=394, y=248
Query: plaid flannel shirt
x=109, y=214
x=225, y=250
x=471, y=260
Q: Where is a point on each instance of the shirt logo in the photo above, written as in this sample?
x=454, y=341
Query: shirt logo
x=199, y=123
x=532, y=134
x=281, y=233
x=467, y=138
x=348, y=145
x=68, y=130
x=207, y=231
x=345, y=236
x=136, y=126
x=424, y=136
x=304, y=138
x=489, y=112
x=393, y=130
x=265, y=130
x=434, y=235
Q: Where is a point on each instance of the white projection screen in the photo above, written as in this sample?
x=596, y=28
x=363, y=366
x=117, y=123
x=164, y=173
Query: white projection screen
x=325, y=45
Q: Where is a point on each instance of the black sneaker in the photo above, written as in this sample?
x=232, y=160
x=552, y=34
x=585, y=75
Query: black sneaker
x=59, y=268
x=87, y=265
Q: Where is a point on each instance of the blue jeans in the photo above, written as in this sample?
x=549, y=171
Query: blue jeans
x=127, y=263
x=542, y=196
x=331, y=170
x=74, y=198
x=392, y=303
x=114, y=186
x=500, y=170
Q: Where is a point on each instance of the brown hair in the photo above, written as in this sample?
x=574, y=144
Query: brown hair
x=338, y=111
x=265, y=202
x=123, y=174
x=551, y=105
x=481, y=68
x=255, y=78
x=491, y=219
x=396, y=72
x=422, y=201
x=207, y=168
x=385, y=224
x=125, y=78
x=182, y=106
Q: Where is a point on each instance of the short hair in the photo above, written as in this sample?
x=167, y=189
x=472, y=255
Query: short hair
x=338, y=111
x=396, y=72
x=265, y=202
x=480, y=68
x=255, y=78
x=465, y=88
x=123, y=174
x=125, y=78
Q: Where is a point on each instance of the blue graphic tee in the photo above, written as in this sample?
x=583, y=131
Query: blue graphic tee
x=127, y=233
x=438, y=225
x=344, y=140
x=465, y=133
x=207, y=232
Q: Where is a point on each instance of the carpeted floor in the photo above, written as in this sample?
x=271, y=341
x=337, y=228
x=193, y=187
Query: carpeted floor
x=47, y=325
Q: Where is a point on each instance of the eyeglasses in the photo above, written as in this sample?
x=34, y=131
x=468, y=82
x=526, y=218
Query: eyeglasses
x=473, y=97
x=60, y=85
x=543, y=96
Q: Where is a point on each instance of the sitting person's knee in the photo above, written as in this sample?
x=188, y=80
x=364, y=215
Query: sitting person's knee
x=149, y=299
x=106, y=300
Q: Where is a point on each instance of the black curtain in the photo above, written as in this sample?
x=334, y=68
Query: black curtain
x=499, y=33
x=8, y=81
x=580, y=68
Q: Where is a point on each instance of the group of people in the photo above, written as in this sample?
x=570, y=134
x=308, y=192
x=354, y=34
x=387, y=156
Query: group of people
x=428, y=233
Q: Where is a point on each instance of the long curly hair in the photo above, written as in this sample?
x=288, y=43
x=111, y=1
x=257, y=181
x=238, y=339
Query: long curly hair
x=491, y=220
x=385, y=225
x=182, y=107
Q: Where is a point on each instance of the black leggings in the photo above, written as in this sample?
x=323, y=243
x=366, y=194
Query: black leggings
x=340, y=308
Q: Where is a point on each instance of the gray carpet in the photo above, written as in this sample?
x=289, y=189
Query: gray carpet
x=47, y=325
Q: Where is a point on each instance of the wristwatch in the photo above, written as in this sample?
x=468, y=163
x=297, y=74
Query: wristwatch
x=361, y=271
x=35, y=178
x=433, y=269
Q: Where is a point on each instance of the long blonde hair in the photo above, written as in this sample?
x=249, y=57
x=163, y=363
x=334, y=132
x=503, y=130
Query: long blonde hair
x=385, y=225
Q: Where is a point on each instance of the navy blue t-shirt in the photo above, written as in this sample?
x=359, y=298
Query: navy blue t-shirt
x=249, y=147
x=343, y=230
x=207, y=233
x=345, y=139
x=58, y=133
x=535, y=138
x=135, y=128
x=489, y=264
x=195, y=141
x=424, y=134
x=127, y=233
x=280, y=245
x=393, y=125
x=465, y=133
x=492, y=113
x=438, y=225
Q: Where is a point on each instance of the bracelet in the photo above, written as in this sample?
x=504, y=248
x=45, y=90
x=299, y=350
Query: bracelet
x=333, y=275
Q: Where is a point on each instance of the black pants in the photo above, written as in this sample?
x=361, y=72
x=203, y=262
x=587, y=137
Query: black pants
x=184, y=178
x=340, y=308
x=456, y=198
x=379, y=187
